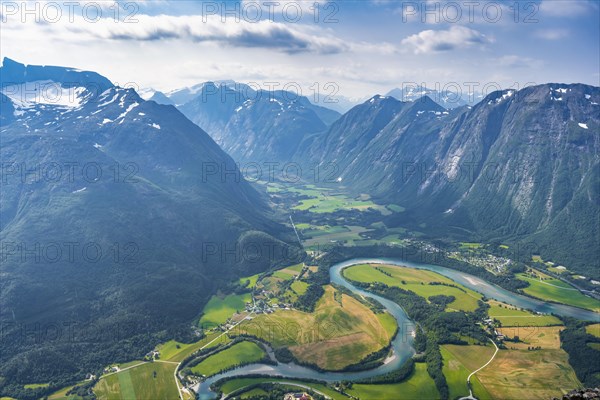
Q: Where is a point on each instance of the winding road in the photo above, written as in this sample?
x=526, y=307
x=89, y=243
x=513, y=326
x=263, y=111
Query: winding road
x=471, y=397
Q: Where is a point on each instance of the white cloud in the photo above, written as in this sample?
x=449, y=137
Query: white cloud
x=287, y=38
x=564, y=8
x=431, y=41
x=552, y=34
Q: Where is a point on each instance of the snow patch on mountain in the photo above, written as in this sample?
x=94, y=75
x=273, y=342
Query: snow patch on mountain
x=29, y=94
x=131, y=107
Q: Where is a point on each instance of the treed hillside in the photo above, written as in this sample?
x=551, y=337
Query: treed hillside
x=117, y=224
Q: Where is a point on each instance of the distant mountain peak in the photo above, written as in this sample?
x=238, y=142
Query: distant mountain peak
x=446, y=98
x=15, y=73
x=381, y=100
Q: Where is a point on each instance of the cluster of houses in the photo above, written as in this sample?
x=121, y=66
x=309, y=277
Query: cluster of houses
x=490, y=262
x=489, y=323
x=297, y=396
x=152, y=355
x=263, y=307
x=112, y=368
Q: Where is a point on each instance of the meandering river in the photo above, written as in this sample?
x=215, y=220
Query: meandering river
x=402, y=347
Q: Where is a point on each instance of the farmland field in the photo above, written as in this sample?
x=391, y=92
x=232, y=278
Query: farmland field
x=153, y=380
x=36, y=385
x=511, y=316
x=356, y=329
x=249, y=281
x=332, y=203
x=547, y=337
x=243, y=352
x=60, y=395
x=524, y=374
x=299, y=287
x=176, y=351
x=239, y=383
x=418, y=386
x=459, y=362
x=593, y=329
x=219, y=309
x=417, y=281
x=558, y=291
x=349, y=236
x=313, y=231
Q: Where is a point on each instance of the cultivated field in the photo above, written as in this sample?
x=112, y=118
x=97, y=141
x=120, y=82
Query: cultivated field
x=459, y=362
x=219, y=309
x=418, y=386
x=593, y=329
x=547, y=337
x=176, y=351
x=240, y=383
x=243, y=352
x=333, y=336
x=148, y=381
x=511, y=316
x=558, y=291
x=417, y=281
x=524, y=374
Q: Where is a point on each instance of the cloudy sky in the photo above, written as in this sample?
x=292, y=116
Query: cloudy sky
x=362, y=47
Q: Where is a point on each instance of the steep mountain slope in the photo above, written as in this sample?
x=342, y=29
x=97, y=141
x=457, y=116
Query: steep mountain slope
x=115, y=221
x=376, y=132
x=256, y=126
x=520, y=167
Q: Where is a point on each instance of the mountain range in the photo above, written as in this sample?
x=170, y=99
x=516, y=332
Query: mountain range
x=115, y=219
x=445, y=98
x=516, y=167
x=520, y=166
x=251, y=125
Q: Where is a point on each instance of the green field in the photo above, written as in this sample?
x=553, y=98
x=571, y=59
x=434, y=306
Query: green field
x=418, y=386
x=593, y=329
x=62, y=394
x=236, y=384
x=388, y=322
x=558, y=291
x=176, y=351
x=36, y=385
x=459, y=362
x=416, y=281
x=283, y=275
x=470, y=245
x=349, y=237
x=243, y=352
x=333, y=203
x=511, y=316
x=249, y=281
x=299, y=287
x=254, y=392
x=152, y=380
x=320, y=230
x=219, y=309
